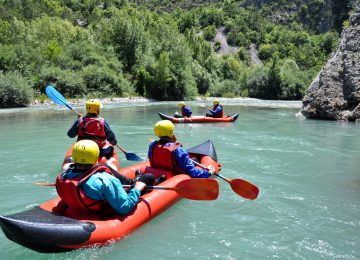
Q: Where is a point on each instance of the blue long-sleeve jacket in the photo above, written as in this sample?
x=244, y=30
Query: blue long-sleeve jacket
x=110, y=136
x=184, y=162
x=103, y=186
x=217, y=111
x=186, y=111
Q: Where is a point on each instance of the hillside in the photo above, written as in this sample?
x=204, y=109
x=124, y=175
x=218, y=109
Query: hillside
x=165, y=50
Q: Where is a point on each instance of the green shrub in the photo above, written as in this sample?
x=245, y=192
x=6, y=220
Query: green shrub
x=210, y=32
x=104, y=81
x=217, y=46
x=15, y=91
x=226, y=88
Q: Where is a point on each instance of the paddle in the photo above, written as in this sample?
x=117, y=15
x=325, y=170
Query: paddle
x=241, y=187
x=130, y=156
x=55, y=96
x=193, y=189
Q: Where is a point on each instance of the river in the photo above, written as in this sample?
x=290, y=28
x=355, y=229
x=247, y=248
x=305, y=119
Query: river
x=307, y=172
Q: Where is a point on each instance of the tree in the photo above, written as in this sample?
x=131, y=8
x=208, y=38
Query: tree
x=15, y=91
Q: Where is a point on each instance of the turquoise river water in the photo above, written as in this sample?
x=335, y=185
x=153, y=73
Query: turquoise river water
x=307, y=172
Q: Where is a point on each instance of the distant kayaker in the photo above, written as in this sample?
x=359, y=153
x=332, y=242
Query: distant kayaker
x=88, y=186
x=168, y=154
x=93, y=127
x=217, y=110
x=185, y=110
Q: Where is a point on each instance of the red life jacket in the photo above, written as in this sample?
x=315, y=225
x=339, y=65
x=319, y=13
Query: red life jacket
x=71, y=193
x=222, y=111
x=92, y=128
x=162, y=157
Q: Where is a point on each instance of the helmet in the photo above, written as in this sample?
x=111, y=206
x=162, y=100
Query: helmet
x=93, y=106
x=164, y=128
x=182, y=104
x=216, y=101
x=85, y=152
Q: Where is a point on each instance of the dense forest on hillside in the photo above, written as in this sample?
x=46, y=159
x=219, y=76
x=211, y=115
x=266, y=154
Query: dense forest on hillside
x=167, y=50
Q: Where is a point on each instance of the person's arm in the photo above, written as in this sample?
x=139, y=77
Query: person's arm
x=102, y=186
x=187, y=166
x=73, y=131
x=110, y=136
x=150, y=149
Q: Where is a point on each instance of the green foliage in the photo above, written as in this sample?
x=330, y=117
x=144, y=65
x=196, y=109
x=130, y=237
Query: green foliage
x=210, y=32
x=257, y=82
x=164, y=50
x=105, y=81
x=15, y=91
x=227, y=88
x=217, y=46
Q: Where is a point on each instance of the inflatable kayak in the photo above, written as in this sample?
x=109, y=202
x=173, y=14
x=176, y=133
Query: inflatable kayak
x=199, y=119
x=48, y=228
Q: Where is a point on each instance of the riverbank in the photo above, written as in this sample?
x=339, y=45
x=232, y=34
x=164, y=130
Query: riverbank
x=133, y=101
x=141, y=100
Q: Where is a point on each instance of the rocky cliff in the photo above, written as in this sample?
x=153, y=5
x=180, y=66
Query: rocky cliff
x=335, y=92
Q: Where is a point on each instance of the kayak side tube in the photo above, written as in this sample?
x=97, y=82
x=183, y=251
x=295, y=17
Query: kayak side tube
x=44, y=231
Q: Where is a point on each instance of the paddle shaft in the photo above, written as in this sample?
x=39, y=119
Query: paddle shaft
x=125, y=186
x=242, y=187
x=194, y=189
x=156, y=187
x=217, y=174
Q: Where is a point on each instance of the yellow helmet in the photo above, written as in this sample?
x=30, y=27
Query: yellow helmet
x=164, y=128
x=216, y=101
x=182, y=104
x=85, y=152
x=93, y=106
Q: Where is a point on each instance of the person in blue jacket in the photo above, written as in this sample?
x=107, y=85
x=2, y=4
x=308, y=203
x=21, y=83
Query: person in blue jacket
x=168, y=154
x=97, y=188
x=185, y=110
x=95, y=128
x=217, y=110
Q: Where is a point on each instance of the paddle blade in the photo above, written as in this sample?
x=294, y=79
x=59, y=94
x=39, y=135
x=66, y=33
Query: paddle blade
x=244, y=188
x=132, y=157
x=198, y=189
x=55, y=96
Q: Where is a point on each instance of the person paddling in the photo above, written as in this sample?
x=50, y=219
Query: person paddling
x=168, y=154
x=95, y=128
x=185, y=110
x=216, y=111
x=89, y=186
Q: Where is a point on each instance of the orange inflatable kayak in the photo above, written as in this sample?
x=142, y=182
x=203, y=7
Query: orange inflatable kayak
x=48, y=228
x=199, y=119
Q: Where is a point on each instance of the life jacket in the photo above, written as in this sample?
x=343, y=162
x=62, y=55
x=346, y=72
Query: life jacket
x=221, y=113
x=92, y=128
x=162, y=157
x=71, y=193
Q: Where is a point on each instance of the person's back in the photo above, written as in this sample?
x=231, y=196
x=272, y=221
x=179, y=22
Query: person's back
x=185, y=110
x=97, y=188
x=93, y=127
x=166, y=153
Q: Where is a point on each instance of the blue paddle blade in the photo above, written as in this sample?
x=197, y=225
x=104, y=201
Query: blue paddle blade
x=132, y=157
x=55, y=96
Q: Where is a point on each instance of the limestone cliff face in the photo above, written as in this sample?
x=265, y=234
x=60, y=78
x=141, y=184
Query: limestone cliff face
x=335, y=92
